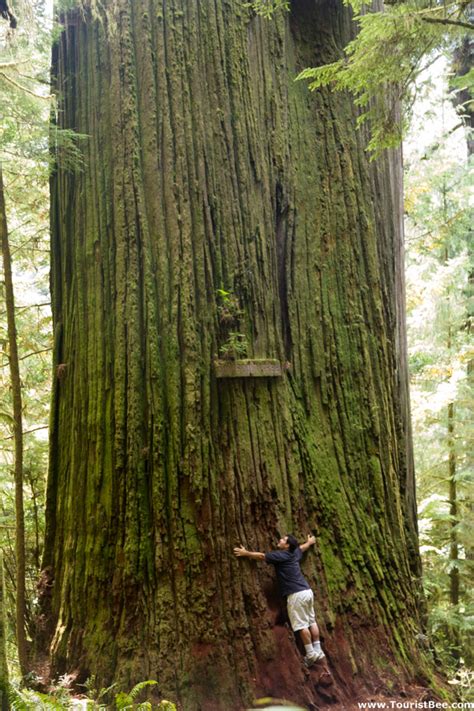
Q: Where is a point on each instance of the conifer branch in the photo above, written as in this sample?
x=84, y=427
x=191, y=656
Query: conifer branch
x=34, y=429
x=445, y=21
x=28, y=355
x=23, y=88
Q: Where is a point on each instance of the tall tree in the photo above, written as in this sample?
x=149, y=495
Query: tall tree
x=222, y=206
x=4, y=705
x=18, y=435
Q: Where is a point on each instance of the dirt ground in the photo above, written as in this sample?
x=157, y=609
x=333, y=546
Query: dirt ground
x=412, y=698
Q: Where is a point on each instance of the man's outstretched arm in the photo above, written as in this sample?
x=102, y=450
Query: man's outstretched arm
x=310, y=541
x=242, y=552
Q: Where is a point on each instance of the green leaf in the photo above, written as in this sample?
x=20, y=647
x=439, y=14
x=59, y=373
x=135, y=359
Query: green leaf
x=140, y=686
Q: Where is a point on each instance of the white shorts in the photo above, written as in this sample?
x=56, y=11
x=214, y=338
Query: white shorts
x=301, y=609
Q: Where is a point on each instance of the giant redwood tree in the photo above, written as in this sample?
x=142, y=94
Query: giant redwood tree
x=221, y=207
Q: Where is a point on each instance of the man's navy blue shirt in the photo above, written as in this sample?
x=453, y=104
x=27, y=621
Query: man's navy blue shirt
x=288, y=571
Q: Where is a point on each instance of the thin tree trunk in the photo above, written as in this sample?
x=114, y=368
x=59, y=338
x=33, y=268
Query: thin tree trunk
x=35, y=495
x=462, y=63
x=453, y=499
x=18, y=436
x=4, y=681
x=453, y=632
x=453, y=510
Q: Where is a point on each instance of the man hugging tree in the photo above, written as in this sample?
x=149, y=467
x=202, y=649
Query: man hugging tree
x=294, y=586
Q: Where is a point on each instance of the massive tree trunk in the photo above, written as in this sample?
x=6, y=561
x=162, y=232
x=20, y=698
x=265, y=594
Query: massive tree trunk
x=207, y=167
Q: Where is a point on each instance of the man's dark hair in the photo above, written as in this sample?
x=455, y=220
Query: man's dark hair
x=292, y=542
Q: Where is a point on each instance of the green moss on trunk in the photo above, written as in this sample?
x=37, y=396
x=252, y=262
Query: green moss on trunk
x=207, y=165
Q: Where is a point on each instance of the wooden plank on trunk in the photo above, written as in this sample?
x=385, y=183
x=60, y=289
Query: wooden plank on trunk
x=248, y=368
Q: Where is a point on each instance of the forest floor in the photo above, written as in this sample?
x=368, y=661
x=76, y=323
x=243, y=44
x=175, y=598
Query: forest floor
x=402, y=696
x=332, y=697
x=416, y=698
x=411, y=698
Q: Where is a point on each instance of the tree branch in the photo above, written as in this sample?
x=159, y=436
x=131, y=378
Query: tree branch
x=445, y=21
x=23, y=88
x=35, y=429
x=28, y=355
x=28, y=306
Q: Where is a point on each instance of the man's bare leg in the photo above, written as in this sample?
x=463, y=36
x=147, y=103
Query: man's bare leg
x=316, y=644
x=314, y=630
x=305, y=635
x=310, y=656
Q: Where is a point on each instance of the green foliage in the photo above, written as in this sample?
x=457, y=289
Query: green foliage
x=463, y=82
x=61, y=699
x=236, y=346
x=439, y=265
x=97, y=695
x=25, y=700
x=228, y=308
x=381, y=65
x=267, y=8
x=230, y=315
x=125, y=701
x=25, y=158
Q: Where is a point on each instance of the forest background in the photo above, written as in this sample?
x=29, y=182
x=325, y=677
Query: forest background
x=439, y=274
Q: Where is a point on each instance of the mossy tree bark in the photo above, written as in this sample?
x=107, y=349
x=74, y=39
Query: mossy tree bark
x=207, y=167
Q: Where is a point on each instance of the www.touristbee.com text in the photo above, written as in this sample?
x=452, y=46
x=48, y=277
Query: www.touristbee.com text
x=416, y=705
